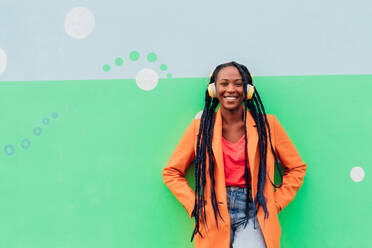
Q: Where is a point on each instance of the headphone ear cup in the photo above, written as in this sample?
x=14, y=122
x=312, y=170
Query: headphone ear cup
x=250, y=91
x=212, y=90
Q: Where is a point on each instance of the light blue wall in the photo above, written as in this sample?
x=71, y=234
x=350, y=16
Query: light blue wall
x=273, y=37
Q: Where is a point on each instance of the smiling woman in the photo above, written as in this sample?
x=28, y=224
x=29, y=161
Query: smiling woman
x=230, y=87
x=235, y=152
x=230, y=94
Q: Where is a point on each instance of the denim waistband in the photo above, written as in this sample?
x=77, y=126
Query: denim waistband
x=237, y=197
x=239, y=189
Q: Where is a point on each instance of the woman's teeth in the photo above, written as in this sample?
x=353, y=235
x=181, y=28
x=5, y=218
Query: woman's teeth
x=230, y=97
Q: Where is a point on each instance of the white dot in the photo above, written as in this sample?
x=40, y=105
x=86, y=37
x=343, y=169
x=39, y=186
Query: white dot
x=198, y=115
x=3, y=61
x=357, y=174
x=147, y=79
x=79, y=22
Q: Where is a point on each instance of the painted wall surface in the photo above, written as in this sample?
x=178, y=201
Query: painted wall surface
x=94, y=98
x=50, y=40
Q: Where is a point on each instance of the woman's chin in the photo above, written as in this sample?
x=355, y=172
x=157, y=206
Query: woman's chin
x=231, y=107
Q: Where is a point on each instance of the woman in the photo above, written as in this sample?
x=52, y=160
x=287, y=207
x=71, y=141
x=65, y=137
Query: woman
x=235, y=151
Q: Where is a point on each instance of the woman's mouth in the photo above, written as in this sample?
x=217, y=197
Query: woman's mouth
x=230, y=98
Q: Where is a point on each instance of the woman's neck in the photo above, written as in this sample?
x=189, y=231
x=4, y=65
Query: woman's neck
x=232, y=116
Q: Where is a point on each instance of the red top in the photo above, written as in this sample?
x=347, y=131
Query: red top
x=233, y=158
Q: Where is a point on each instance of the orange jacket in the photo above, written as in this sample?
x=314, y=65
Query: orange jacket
x=184, y=154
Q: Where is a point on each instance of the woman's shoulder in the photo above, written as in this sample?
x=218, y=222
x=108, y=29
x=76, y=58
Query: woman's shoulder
x=271, y=117
x=196, y=120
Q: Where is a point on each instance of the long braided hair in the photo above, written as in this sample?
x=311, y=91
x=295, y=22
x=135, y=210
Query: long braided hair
x=204, y=150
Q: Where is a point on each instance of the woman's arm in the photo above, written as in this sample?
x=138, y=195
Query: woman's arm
x=174, y=172
x=294, y=167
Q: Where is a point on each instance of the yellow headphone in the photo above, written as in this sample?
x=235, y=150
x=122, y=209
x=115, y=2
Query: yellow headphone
x=212, y=91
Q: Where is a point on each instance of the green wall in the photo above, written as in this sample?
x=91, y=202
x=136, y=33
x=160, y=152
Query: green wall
x=90, y=176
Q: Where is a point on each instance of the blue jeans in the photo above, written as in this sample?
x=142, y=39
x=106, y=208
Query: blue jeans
x=245, y=231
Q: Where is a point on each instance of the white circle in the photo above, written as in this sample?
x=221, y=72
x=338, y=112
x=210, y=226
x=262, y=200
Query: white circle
x=147, y=79
x=357, y=174
x=79, y=22
x=3, y=61
x=198, y=115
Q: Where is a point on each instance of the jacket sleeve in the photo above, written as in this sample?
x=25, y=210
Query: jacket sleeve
x=174, y=172
x=294, y=167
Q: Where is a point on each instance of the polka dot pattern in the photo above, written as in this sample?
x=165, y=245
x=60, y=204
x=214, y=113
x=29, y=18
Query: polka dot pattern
x=79, y=23
x=147, y=79
x=357, y=174
x=3, y=61
x=152, y=57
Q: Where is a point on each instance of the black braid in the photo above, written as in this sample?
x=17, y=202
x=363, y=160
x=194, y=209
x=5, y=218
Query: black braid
x=204, y=148
x=271, y=146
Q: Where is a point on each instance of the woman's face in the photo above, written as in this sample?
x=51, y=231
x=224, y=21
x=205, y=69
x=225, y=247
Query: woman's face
x=229, y=85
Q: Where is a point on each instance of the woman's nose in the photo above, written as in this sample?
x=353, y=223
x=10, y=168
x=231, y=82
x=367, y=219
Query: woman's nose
x=230, y=88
